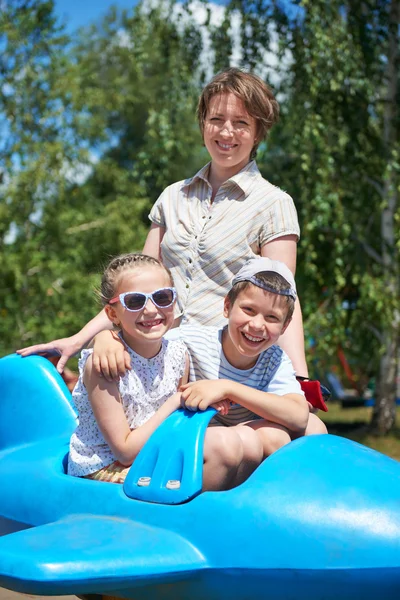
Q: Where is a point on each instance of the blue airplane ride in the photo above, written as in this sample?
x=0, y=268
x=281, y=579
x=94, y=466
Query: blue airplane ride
x=319, y=519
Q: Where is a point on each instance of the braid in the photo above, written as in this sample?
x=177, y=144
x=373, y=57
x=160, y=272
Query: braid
x=120, y=264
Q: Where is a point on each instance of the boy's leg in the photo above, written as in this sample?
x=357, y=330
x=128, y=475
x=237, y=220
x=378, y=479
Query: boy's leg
x=223, y=453
x=271, y=435
x=252, y=453
x=315, y=426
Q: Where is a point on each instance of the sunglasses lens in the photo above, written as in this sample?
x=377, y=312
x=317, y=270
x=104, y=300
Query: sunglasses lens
x=134, y=301
x=163, y=297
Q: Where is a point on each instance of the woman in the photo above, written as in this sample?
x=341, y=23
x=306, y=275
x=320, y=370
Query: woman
x=205, y=228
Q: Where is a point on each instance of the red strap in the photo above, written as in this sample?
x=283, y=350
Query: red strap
x=313, y=394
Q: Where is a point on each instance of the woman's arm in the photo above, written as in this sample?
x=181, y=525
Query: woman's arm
x=292, y=341
x=70, y=346
x=107, y=408
x=152, y=245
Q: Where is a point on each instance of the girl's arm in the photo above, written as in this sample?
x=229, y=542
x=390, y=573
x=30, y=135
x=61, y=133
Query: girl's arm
x=107, y=408
x=292, y=341
x=289, y=410
x=70, y=346
x=185, y=377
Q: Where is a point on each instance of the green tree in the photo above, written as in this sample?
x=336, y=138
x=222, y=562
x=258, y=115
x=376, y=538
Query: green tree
x=342, y=160
x=96, y=127
x=38, y=142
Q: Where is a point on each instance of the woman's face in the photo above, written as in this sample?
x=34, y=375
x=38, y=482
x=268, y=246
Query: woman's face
x=229, y=133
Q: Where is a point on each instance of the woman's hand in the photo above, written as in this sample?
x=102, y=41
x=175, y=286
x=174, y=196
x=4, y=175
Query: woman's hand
x=65, y=348
x=110, y=356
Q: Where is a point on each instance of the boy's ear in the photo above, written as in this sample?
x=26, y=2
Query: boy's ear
x=227, y=307
x=286, y=325
x=111, y=314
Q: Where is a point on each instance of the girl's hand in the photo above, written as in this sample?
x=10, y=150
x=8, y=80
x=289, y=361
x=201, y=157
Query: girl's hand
x=110, y=356
x=222, y=406
x=65, y=348
x=199, y=395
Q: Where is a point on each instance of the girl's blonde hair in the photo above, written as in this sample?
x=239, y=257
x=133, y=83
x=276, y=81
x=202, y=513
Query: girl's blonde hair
x=120, y=264
x=255, y=94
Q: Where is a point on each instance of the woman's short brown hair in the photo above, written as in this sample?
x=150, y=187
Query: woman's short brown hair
x=255, y=94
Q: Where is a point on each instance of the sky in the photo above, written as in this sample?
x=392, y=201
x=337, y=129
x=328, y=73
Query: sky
x=77, y=13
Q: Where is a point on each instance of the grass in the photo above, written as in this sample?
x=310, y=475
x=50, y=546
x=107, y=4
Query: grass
x=353, y=423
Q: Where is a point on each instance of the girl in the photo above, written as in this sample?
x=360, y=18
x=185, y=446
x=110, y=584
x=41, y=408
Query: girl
x=117, y=418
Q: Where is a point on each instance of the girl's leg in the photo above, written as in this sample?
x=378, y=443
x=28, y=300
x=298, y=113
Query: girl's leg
x=223, y=453
x=113, y=473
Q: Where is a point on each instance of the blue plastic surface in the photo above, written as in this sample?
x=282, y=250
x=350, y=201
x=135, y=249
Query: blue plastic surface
x=319, y=519
x=173, y=454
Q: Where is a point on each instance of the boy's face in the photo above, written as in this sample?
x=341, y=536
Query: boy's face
x=256, y=320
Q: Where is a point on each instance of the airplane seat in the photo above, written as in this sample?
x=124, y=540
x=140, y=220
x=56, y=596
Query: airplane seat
x=35, y=403
x=65, y=463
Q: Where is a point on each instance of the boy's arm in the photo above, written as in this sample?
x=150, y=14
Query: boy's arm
x=110, y=356
x=107, y=408
x=67, y=347
x=289, y=410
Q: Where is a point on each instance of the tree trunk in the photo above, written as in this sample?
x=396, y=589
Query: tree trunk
x=384, y=414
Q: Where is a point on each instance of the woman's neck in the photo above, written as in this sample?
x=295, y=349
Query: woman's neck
x=216, y=178
x=218, y=175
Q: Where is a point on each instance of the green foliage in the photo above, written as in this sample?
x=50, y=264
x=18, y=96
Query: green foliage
x=96, y=128
x=336, y=161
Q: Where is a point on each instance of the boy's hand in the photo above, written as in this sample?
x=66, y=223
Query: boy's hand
x=64, y=347
x=199, y=395
x=110, y=357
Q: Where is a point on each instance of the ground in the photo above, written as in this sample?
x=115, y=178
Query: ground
x=6, y=595
x=353, y=423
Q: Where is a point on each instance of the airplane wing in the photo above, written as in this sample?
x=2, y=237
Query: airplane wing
x=94, y=554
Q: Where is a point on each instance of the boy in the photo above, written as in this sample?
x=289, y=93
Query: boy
x=241, y=362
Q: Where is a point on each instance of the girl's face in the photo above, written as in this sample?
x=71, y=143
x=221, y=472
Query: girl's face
x=142, y=330
x=229, y=133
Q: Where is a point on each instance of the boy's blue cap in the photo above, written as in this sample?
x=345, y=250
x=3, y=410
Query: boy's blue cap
x=256, y=265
